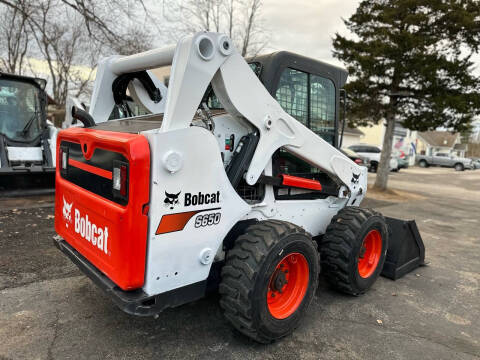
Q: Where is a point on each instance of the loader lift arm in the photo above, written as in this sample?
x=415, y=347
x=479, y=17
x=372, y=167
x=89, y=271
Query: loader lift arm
x=206, y=58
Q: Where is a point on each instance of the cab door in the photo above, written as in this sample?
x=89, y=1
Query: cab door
x=307, y=89
x=310, y=99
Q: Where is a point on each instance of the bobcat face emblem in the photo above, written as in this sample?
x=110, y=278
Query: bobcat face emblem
x=355, y=178
x=67, y=211
x=171, y=199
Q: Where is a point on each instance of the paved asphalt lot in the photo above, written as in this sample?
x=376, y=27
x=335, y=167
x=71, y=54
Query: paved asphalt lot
x=48, y=310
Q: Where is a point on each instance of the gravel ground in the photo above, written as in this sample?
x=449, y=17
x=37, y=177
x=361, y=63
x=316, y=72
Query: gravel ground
x=48, y=310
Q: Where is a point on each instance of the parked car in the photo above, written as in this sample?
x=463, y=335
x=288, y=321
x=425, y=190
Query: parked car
x=358, y=159
x=476, y=163
x=444, y=160
x=372, y=153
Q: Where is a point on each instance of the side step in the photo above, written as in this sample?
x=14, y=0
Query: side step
x=406, y=250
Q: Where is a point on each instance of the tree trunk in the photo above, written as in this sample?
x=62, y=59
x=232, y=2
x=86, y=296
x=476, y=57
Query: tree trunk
x=384, y=167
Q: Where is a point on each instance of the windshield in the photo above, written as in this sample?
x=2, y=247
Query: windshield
x=20, y=111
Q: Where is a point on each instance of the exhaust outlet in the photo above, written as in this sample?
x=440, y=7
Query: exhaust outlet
x=84, y=117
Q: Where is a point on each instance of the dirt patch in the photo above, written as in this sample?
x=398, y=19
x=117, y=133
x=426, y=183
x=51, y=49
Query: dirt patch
x=27, y=202
x=27, y=253
x=393, y=195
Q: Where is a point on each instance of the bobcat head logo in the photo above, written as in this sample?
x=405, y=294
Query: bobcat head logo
x=355, y=178
x=171, y=199
x=67, y=211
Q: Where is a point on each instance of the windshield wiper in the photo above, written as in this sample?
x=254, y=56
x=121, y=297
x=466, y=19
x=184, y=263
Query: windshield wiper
x=29, y=123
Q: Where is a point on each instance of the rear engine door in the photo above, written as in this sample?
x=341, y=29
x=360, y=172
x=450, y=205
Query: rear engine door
x=101, y=200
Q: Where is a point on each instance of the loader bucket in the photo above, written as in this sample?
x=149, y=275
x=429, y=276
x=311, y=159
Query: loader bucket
x=27, y=182
x=406, y=250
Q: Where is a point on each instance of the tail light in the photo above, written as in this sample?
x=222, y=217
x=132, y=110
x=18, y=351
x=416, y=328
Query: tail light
x=63, y=159
x=120, y=180
x=358, y=161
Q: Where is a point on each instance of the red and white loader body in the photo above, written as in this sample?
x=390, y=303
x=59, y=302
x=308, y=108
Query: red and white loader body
x=147, y=207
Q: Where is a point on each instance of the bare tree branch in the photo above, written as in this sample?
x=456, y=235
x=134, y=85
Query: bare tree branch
x=100, y=17
x=15, y=40
x=70, y=36
x=240, y=19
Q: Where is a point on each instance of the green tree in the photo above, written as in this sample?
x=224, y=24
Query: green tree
x=410, y=62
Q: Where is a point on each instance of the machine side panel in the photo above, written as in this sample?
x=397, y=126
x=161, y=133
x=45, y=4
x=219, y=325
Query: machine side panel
x=192, y=209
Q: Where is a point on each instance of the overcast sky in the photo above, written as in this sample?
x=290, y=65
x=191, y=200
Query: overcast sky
x=307, y=26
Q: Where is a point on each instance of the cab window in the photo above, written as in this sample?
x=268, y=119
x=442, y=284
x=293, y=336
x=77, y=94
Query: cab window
x=20, y=110
x=310, y=99
x=322, y=107
x=292, y=94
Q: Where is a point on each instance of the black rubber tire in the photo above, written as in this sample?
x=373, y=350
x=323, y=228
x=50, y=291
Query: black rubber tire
x=423, y=164
x=373, y=167
x=459, y=167
x=246, y=275
x=341, y=246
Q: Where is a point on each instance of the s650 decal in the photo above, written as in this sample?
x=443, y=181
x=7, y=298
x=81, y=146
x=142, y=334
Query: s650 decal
x=207, y=219
x=176, y=222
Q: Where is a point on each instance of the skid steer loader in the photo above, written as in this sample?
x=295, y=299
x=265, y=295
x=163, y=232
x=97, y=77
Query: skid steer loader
x=232, y=183
x=27, y=140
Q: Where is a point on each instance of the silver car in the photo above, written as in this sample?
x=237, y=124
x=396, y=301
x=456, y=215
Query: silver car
x=444, y=160
x=373, y=153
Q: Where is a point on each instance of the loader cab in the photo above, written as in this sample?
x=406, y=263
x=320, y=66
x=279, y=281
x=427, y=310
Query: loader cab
x=26, y=145
x=307, y=89
x=22, y=109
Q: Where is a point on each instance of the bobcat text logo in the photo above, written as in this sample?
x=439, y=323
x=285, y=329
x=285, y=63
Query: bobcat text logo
x=189, y=199
x=67, y=211
x=171, y=199
x=96, y=235
x=201, y=198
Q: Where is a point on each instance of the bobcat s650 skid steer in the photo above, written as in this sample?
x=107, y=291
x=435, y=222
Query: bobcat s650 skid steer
x=233, y=183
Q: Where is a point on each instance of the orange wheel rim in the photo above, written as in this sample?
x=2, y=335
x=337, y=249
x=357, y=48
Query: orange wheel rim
x=288, y=285
x=370, y=253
